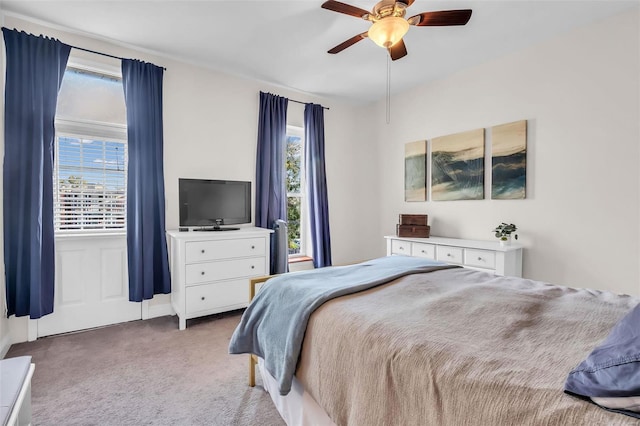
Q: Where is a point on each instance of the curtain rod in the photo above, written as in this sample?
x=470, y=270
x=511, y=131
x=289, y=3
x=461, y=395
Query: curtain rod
x=304, y=103
x=118, y=57
x=80, y=48
x=100, y=53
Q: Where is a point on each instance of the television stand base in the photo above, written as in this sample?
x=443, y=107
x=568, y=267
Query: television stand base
x=217, y=228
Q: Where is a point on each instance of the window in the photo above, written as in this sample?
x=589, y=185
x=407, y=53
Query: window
x=89, y=184
x=90, y=166
x=296, y=198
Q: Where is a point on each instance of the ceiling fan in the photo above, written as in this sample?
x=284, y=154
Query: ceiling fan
x=389, y=24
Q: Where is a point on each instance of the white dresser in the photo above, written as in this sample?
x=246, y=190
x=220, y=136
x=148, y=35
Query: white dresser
x=487, y=256
x=210, y=271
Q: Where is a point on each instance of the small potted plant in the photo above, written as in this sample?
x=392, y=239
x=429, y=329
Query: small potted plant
x=504, y=231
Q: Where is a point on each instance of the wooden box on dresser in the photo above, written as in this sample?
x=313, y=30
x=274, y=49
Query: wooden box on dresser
x=210, y=271
x=487, y=256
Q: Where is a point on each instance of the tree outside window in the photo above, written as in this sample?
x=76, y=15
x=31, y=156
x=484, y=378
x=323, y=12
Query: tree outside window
x=295, y=191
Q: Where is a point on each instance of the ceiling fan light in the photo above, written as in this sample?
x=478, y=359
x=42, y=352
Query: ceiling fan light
x=388, y=31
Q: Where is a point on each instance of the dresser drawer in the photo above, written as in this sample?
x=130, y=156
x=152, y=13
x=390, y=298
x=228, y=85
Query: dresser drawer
x=216, y=296
x=401, y=247
x=423, y=250
x=449, y=254
x=480, y=258
x=202, y=251
x=224, y=269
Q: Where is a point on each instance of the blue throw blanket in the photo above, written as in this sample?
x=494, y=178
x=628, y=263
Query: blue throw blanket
x=273, y=326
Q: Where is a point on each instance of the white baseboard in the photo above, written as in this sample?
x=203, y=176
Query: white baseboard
x=155, y=311
x=5, y=345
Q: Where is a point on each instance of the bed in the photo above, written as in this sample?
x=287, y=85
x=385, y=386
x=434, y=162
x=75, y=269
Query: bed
x=447, y=346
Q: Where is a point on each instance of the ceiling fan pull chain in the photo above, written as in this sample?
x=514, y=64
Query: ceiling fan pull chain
x=388, y=89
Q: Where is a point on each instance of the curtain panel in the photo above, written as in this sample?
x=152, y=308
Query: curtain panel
x=146, y=241
x=271, y=193
x=317, y=185
x=35, y=67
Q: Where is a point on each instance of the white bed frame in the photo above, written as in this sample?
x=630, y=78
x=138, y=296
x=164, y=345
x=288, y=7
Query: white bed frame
x=297, y=407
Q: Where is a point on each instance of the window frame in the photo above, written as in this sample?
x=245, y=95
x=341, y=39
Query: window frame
x=88, y=129
x=304, y=221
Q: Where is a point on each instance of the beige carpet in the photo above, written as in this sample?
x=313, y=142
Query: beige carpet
x=146, y=373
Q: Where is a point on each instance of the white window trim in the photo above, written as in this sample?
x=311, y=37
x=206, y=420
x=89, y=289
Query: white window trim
x=304, y=220
x=79, y=63
x=97, y=129
x=78, y=128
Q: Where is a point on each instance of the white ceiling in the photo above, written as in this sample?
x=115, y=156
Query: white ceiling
x=285, y=42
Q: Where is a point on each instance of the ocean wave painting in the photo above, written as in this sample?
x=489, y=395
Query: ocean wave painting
x=509, y=161
x=457, y=166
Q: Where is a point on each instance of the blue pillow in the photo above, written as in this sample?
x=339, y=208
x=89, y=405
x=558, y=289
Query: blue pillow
x=612, y=369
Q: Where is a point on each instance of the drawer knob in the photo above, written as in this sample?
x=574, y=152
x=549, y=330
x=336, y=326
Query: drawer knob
x=252, y=247
x=448, y=254
x=479, y=258
x=422, y=251
x=202, y=298
x=202, y=251
x=401, y=248
x=253, y=267
x=202, y=273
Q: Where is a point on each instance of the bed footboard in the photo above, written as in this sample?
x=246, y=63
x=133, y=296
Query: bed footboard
x=253, y=359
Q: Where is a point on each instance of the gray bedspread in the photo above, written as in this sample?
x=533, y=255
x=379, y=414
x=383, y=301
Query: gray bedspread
x=274, y=324
x=457, y=347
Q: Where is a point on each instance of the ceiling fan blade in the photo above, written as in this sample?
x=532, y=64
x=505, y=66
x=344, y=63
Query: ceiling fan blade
x=441, y=18
x=398, y=50
x=407, y=2
x=353, y=40
x=347, y=9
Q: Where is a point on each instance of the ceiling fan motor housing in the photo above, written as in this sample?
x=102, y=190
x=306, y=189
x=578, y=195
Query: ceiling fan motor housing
x=387, y=8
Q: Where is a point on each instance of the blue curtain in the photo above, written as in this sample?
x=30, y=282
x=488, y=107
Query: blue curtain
x=146, y=241
x=271, y=192
x=35, y=66
x=317, y=185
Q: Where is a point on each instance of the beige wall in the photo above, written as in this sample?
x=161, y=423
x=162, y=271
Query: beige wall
x=579, y=93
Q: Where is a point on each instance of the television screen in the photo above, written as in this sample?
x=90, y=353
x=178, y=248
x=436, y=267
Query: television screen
x=211, y=203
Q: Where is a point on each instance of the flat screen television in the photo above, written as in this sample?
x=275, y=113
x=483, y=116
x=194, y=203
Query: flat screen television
x=209, y=204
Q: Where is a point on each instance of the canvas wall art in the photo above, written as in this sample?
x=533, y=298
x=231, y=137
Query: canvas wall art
x=415, y=171
x=509, y=161
x=457, y=166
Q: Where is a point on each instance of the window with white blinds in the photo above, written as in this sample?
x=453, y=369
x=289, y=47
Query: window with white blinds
x=90, y=163
x=90, y=184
